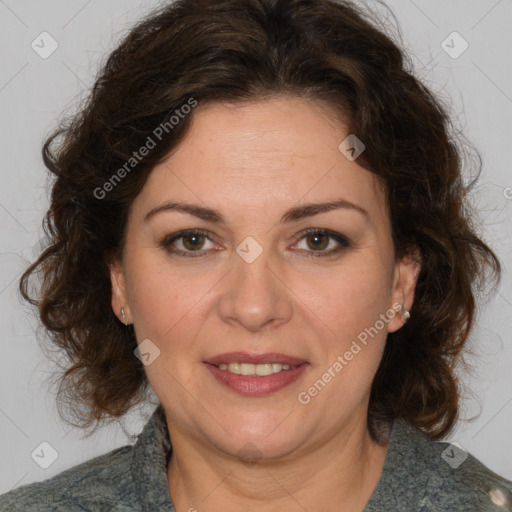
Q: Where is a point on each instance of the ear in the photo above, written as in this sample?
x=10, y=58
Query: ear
x=119, y=298
x=405, y=278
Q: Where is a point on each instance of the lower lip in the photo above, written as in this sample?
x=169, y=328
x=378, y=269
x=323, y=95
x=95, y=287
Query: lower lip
x=257, y=386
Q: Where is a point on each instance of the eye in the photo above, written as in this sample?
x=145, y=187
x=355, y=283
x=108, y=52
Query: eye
x=319, y=240
x=193, y=242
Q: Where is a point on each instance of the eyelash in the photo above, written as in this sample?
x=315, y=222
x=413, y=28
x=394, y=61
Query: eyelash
x=169, y=240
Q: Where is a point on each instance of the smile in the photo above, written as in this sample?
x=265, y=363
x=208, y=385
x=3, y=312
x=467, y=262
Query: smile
x=259, y=370
x=256, y=379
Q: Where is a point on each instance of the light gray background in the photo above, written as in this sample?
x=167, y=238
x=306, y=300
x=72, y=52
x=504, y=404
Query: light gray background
x=34, y=92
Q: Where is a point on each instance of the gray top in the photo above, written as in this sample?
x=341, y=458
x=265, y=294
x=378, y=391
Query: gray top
x=418, y=475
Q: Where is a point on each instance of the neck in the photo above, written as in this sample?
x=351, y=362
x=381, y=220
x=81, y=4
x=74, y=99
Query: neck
x=345, y=469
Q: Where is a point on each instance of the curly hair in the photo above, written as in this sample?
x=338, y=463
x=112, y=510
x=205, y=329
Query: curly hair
x=242, y=50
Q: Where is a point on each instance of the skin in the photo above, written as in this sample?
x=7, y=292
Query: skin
x=253, y=161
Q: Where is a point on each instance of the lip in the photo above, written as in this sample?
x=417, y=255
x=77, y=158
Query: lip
x=244, y=357
x=257, y=386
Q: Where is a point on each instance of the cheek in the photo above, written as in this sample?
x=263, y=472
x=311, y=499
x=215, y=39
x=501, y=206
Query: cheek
x=154, y=301
x=167, y=305
x=356, y=295
x=166, y=310
x=351, y=308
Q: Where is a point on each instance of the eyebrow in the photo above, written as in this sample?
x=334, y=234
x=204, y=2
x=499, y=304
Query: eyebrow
x=292, y=215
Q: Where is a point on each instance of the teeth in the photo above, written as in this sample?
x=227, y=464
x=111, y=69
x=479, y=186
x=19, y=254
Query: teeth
x=259, y=370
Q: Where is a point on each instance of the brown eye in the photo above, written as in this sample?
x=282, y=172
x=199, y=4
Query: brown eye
x=317, y=240
x=192, y=243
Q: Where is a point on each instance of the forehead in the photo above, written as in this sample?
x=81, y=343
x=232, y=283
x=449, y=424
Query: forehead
x=262, y=156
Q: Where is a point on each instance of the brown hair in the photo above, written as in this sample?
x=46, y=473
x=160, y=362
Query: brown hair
x=239, y=50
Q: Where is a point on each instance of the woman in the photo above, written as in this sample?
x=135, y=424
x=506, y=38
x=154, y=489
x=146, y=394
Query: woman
x=260, y=214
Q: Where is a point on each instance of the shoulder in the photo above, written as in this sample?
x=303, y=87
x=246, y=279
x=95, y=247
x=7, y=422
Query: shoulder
x=98, y=482
x=446, y=477
x=126, y=479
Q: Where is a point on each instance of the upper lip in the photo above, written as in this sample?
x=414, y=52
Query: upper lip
x=244, y=357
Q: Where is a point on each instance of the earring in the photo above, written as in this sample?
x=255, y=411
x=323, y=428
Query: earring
x=124, y=316
x=405, y=313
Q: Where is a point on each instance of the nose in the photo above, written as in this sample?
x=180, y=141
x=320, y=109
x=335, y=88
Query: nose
x=256, y=295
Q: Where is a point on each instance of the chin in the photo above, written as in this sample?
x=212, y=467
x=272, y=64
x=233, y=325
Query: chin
x=259, y=439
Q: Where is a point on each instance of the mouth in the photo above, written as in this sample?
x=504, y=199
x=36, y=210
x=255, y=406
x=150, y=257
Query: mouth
x=256, y=374
x=242, y=363
x=255, y=370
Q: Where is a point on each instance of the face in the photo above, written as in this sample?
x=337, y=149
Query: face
x=300, y=288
